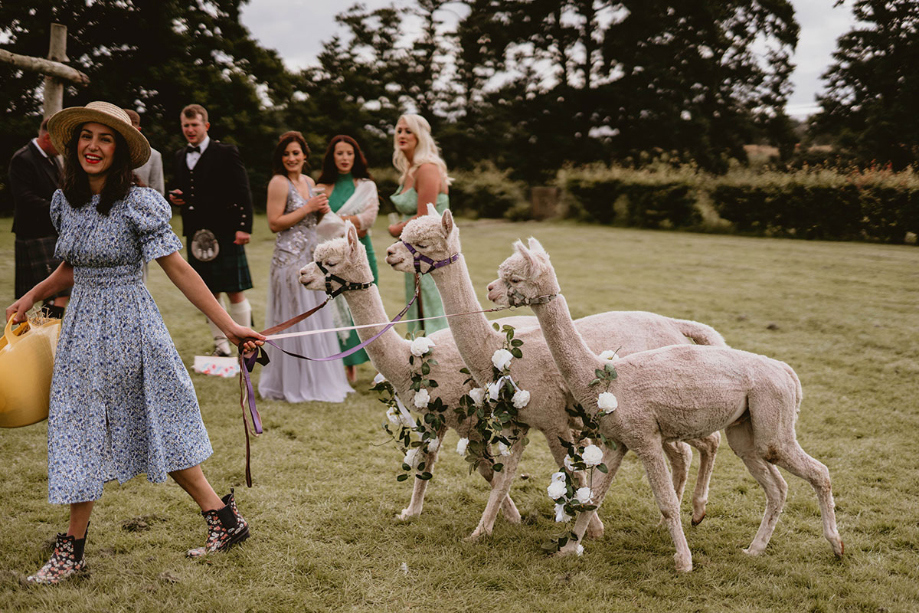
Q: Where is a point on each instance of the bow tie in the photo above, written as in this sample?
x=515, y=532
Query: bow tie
x=195, y=149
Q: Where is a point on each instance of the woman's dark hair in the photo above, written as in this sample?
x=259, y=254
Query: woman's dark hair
x=277, y=158
x=118, y=181
x=329, y=170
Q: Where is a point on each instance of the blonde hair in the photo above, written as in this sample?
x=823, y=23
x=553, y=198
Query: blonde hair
x=426, y=151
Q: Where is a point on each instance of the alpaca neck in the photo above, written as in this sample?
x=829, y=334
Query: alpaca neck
x=389, y=353
x=475, y=339
x=574, y=359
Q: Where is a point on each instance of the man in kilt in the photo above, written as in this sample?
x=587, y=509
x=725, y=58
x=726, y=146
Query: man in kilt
x=211, y=186
x=34, y=176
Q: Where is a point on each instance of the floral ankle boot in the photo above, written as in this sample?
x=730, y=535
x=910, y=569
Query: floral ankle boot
x=225, y=528
x=66, y=561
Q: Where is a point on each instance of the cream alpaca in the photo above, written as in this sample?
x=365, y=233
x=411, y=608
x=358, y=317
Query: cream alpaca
x=437, y=238
x=674, y=393
x=347, y=259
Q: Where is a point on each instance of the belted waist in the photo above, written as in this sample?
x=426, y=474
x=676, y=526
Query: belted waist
x=108, y=276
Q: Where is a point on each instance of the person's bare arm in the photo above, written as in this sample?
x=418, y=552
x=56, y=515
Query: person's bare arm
x=278, y=220
x=427, y=185
x=56, y=282
x=189, y=283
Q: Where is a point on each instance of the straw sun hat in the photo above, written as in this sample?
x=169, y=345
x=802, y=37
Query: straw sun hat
x=63, y=123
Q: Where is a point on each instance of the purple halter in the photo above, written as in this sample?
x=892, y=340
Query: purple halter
x=420, y=257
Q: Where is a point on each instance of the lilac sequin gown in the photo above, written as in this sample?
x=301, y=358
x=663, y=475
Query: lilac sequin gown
x=288, y=378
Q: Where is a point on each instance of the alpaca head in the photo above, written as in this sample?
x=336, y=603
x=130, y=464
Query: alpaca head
x=343, y=257
x=524, y=277
x=432, y=235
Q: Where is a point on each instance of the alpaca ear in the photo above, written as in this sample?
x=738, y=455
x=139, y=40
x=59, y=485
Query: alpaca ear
x=536, y=247
x=527, y=255
x=447, y=222
x=432, y=210
x=351, y=233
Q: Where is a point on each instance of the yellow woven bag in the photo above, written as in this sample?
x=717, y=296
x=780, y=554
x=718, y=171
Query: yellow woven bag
x=26, y=365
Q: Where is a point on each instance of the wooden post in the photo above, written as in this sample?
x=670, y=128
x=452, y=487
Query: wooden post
x=54, y=87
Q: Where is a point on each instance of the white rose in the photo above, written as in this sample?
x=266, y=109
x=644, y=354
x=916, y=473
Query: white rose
x=607, y=402
x=609, y=355
x=556, y=490
x=560, y=515
x=580, y=549
x=569, y=463
x=379, y=379
x=494, y=390
x=559, y=476
x=411, y=457
x=502, y=359
x=521, y=399
x=433, y=445
x=503, y=449
x=421, y=346
x=583, y=495
x=461, y=446
x=477, y=395
x=392, y=414
x=422, y=398
x=592, y=455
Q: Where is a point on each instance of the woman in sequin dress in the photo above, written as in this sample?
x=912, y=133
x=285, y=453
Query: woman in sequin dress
x=294, y=208
x=122, y=403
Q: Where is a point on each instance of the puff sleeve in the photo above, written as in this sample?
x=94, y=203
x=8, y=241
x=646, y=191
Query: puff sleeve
x=57, y=203
x=149, y=214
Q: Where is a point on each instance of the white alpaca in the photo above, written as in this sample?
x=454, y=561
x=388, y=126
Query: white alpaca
x=347, y=259
x=674, y=393
x=437, y=238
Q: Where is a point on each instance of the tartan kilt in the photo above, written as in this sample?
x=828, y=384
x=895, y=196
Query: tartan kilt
x=34, y=262
x=228, y=272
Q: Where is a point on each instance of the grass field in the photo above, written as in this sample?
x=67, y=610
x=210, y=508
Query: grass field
x=844, y=315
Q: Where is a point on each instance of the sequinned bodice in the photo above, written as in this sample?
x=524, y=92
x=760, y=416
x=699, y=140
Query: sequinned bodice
x=295, y=244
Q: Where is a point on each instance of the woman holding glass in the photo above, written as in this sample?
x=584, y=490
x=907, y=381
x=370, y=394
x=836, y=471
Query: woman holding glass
x=353, y=197
x=294, y=208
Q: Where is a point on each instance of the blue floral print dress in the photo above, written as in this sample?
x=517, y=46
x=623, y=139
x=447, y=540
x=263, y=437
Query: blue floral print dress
x=122, y=403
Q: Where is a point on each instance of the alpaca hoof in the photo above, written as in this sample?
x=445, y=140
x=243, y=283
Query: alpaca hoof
x=839, y=548
x=696, y=522
x=683, y=565
x=405, y=515
x=595, y=532
x=477, y=535
x=753, y=551
x=569, y=549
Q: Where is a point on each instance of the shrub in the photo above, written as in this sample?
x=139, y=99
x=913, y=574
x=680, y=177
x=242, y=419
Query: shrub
x=487, y=192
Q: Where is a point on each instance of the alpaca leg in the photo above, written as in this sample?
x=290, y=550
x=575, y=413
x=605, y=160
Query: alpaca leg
x=656, y=469
x=680, y=456
x=501, y=485
x=796, y=461
x=708, y=448
x=508, y=508
x=595, y=530
x=740, y=438
x=613, y=459
x=417, y=502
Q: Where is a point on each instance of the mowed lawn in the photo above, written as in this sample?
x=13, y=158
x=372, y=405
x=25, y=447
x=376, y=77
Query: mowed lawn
x=845, y=316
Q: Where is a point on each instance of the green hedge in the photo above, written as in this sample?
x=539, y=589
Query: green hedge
x=812, y=203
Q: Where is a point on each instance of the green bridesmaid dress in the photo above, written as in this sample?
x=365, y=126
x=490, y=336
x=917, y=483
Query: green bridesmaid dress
x=407, y=204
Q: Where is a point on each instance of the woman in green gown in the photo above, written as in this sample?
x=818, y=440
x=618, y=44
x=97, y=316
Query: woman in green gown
x=353, y=197
x=424, y=180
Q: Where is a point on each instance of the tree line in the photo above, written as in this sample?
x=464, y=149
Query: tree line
x=527, y=85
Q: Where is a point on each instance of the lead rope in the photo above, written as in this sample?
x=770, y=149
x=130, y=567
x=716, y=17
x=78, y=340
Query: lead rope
x=247, y=362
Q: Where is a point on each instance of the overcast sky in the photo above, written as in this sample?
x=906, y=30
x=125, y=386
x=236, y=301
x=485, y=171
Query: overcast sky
x=297, y=29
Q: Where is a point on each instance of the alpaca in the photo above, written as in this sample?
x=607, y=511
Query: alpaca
x=437, y=238
x=674, y=393
x=347, y=259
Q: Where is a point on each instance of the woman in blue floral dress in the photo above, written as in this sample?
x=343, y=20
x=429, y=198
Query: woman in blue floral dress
x=122, y=403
